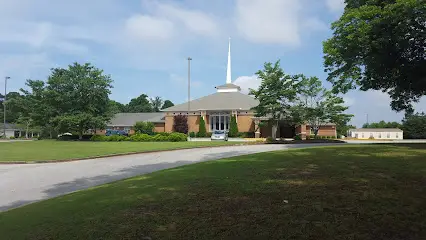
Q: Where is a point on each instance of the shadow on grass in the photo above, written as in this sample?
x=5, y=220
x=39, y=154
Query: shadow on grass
x=349, y=192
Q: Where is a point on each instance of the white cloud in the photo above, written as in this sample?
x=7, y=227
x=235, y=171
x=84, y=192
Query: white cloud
x=145, y=27
x=247, y=82
x=336, y=6
x=275, y=21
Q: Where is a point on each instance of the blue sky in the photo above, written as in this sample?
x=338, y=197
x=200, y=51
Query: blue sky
x=143, y=44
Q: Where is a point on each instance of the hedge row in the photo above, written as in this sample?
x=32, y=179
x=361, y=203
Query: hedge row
x=209, y=134
x=160, y=137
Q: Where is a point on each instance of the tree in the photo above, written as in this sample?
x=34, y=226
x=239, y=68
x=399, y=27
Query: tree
x=202, y=132
x=156, y=103
x=379, y=44
x=233, y=127
x=319, y=106
x=180, y=124
x=276, y=93
x=116, y=107
x=139, y=104
x=167, y=104
x=382, y=124
x=13, y=109
x=144, y=128
x=77, y=97
x=414, y=126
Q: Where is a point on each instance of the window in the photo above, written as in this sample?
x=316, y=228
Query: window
x=371, y=135
x=380, y=135
x=396, y=134
x=356, y=135
x=362, y=135
x=388, y=135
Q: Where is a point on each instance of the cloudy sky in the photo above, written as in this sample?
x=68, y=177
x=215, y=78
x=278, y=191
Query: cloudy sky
x=143, y=44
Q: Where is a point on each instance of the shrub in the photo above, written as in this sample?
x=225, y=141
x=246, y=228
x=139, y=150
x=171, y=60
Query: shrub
x=233, y=127
x=297, y=137
x=141, y=138
x=12, y=137
x=166, y=134
x=209, y=134
x=333, y=137
x=193, y=134
x=202, y=128
x=180, y=124
x=270, y=140
x=371, y=137
x=177, y=137
x=116, y=138
x=200, y=135
x=308, y=137
x=144, y=128
x=98, y=138
x=160, y=138
x=245, y=135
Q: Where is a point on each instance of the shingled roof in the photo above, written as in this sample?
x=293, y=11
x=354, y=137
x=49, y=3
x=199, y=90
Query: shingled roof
x=376, y=130
x=218, y=101
x=129, y=119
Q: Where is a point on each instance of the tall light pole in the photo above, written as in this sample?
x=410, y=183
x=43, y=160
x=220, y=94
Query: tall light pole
x=4, y=105
x=189, y=89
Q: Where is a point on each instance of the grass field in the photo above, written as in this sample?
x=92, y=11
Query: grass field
x=61, y=150
x=344, y=192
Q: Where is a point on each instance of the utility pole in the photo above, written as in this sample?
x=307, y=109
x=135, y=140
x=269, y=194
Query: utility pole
x=4, y=105
x=189, y=89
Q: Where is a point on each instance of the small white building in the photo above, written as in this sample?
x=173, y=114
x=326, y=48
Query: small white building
x=377, y=133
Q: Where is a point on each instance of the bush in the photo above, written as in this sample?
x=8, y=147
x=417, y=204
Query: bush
x=233, y=127
x=144, y=128
x=246, y=135
x=209, y=134
x=141, y=138
x=116, y=138
x=12, y=137
x=177, y=137
x=371, y=137
x=270, y=140
x=193, y=134
x=160, y=138
x=98, y=138
x=180, y=124
x=333, y=137
x=297, y=137
x=166, y=134
x=202, y=128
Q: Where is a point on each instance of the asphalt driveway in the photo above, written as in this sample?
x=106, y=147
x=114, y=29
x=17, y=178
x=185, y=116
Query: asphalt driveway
x=27, y=183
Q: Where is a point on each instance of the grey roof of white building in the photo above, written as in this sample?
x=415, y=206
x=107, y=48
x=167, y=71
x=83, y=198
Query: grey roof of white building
x=129, y=119
x=376, y=130
x=228, y=86
x=218, y=101
x=9, y=126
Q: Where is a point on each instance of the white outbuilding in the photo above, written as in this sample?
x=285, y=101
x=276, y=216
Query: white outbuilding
x=377, y=133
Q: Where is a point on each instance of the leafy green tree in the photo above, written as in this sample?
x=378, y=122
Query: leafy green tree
x=139, y=104
x=13, y=109
x=156, y=103
x=167, y=104
x=116, y=107
x=77, y=97
x=319, y=106
x=379, y=44
x=382, y=124
x=144, y=128
x=202, y=132
x=276, y=93
x=233, y=127
x=414, y=126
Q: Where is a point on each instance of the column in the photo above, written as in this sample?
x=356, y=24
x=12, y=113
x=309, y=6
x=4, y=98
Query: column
x=256, y=128
x=303, y=131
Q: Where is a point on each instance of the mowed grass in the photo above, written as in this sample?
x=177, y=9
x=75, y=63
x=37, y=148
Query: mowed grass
x=65, y=150
x=342, y=192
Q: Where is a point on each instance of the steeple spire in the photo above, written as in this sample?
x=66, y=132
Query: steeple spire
x=228, y=70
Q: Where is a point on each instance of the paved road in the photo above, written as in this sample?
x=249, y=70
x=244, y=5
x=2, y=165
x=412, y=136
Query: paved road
x=26, y=183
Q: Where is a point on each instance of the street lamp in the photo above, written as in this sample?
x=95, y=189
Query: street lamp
x=189, y=90
x=4, y=105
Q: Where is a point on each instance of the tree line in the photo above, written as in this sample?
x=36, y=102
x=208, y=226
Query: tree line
x=413, y=125
x=71, y=99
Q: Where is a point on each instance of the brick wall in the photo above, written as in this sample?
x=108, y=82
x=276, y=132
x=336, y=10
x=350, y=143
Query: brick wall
x=245, y=123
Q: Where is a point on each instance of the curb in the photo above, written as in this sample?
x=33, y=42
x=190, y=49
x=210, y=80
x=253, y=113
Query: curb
x=120, y=154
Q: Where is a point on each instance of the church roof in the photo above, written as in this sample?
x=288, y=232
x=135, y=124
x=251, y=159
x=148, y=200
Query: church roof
x=218, y=101
x=228, y=86
x=129, y=119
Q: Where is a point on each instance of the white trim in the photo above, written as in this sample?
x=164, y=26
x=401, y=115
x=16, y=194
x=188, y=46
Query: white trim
x=228, y=90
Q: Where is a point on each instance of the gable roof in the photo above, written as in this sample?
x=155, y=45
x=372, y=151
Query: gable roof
x=376, y=130
x=9, y=126
x=129, y=119
x=218, y=101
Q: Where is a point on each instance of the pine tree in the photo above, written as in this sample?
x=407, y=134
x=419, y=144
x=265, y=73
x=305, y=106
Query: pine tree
x=233, y=128
x=202, y=132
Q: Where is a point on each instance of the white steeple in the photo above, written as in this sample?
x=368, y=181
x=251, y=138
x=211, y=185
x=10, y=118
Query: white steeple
x=228, y=70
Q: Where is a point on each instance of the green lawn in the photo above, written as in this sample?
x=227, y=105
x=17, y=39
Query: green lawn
x=61, y=150
x=342, y=192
